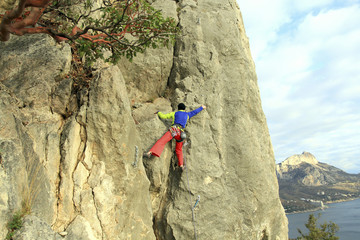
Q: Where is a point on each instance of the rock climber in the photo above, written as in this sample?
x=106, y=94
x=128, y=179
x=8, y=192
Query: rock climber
x=177, y=131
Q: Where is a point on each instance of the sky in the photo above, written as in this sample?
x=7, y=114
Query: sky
x=307, y=58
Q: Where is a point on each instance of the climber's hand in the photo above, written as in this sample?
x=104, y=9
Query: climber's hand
x=203, y=106
x=156, y=112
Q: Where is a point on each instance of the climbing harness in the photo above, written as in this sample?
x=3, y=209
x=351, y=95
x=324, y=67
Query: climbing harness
x=176, y=130
x=190, y=198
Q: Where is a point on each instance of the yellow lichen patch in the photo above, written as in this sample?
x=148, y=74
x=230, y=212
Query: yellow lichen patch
x=208, y=180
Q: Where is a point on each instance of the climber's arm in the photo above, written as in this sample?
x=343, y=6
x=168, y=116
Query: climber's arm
x=196, y=111
x=166, y=116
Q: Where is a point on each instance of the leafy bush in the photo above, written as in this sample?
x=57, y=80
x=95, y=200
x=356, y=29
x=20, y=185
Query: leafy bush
x=15, y=224
x=326, y=231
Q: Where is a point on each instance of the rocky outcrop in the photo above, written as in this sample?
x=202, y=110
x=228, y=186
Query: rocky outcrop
x=75, y=158
x=305, y=169
x=305, y=183
x=297, y=159
x=284, y=169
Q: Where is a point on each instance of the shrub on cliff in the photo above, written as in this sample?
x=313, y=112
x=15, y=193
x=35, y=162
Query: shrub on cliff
x=14, y=224
x=326, y=231
x=124, y=27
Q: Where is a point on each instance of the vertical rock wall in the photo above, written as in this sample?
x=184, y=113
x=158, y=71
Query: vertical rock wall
x=79, y=155
x=31, y=124
x=230, y=158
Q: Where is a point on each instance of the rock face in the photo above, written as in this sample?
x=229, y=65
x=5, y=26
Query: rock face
x=76, y=158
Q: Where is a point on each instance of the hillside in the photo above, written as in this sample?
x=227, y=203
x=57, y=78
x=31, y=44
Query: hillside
x=305, y=183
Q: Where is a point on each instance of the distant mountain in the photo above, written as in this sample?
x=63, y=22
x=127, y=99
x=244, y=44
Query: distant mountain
x=306, y=184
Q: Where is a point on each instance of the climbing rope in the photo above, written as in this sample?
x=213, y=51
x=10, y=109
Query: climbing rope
x=190, y=198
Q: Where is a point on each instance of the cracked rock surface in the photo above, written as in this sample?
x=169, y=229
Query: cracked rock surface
x=76, y=158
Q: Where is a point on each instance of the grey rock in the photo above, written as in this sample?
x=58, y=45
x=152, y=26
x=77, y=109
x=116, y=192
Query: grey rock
x=86, y=148
x=153, y=66
x=18, y=54
x=230, y=161
x=29, y=130
x=62, y=101
x=118, y=187
x=80, y=229
x=34, y=228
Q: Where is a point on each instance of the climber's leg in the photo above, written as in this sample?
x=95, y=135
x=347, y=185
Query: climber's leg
x=158, y=147
x=179, y=153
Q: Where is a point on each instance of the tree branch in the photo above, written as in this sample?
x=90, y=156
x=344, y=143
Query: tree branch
x=19, y=27
x=120, y=19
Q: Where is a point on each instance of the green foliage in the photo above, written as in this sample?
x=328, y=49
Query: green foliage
x=123, y=27
x=326, y=231
x=14, y=224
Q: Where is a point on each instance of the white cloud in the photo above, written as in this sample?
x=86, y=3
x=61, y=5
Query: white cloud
x=308, y=5
x=262, y=20
x=307, y=56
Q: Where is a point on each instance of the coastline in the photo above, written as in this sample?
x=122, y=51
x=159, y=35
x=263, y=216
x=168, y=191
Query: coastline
x=345, y=214
x=342, y=200
x=309, y=210
x=324, y=207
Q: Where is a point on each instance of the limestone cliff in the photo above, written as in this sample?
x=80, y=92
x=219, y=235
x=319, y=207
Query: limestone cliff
x=305, y=169
x=76, y=156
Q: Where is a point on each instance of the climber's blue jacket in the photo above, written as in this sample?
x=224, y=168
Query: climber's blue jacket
x=180, y=117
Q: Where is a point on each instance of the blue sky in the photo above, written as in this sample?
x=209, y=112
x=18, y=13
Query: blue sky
x=307, y=57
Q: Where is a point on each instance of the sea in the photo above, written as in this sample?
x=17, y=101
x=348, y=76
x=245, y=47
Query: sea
x=345, y=214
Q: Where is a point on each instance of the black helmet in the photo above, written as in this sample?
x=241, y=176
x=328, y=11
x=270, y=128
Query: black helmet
x=181, y=106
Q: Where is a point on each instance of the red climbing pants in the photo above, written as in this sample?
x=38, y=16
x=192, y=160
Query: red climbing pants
x=158, y=147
